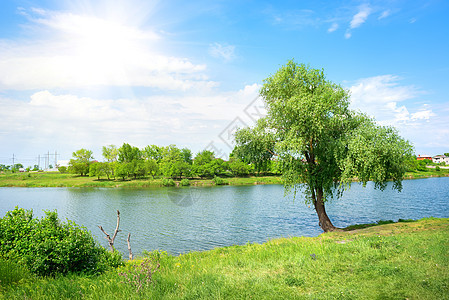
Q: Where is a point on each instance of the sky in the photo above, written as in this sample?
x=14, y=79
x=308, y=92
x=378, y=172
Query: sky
x=86, y=74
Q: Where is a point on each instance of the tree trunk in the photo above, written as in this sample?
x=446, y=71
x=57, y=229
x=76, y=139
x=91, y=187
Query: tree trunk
x=325, y=222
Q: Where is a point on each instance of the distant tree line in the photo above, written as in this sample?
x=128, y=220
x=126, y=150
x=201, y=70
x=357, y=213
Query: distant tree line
x=170, y=161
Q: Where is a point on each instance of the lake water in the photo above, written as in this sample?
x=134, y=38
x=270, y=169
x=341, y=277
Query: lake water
x=179, y=220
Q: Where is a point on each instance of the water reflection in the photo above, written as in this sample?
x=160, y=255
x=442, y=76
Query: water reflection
x=221, y=216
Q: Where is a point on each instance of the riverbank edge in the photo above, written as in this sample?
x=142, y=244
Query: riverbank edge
x=68, y=180
x=51, y=179
x=396, y=260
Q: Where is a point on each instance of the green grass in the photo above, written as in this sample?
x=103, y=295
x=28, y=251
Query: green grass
x=55, y=179
x=405, y=260
x=428, y=173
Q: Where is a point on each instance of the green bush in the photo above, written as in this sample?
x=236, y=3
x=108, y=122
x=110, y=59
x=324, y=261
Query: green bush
x=48, y=246
x=168, y=182
x=185, y=182
x=62, y=169
x=437, y=168
x=219, y=181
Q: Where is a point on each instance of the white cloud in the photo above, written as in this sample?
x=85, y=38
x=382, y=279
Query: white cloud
x=393, y=104
x=379, y=97
x=70, y=121
x=222, y=51
x=333, y=27
x=360, y=17
x=77, y=50
x=424, y=114
x=381, y=89
x=384, y=14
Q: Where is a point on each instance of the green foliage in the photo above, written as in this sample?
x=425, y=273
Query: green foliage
x=427, y=161
x=437, y=168
x=122, y=170
x=110, y=153
x=375, y=153
x=99, y=169
x=48, y=246
x=239, y=168
x=95, y=170
x=255, y=146
x=153, y=152
x=152, y=167
x=80, y=162
x=185, y=182
x=62, y=169
x=132, y=160
x=172, y=163
x=219, y=181
x=204, y=157
x=186, y=155
x=128, y=153
x=168, y=182
x=321, y=143
x=206, y=165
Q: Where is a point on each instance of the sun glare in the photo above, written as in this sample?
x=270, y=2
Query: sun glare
x=99, y=45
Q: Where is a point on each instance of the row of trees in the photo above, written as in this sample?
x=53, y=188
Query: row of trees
x=169, y=161
x=16, y=167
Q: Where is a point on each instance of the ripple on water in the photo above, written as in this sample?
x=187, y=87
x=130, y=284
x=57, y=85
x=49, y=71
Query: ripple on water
x=222, y=216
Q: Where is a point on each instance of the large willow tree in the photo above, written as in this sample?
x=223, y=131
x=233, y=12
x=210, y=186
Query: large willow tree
x=322, y=144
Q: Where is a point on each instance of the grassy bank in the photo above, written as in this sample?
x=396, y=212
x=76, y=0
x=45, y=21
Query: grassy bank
x=406, y=260
x=430, y=172
x=55, y=179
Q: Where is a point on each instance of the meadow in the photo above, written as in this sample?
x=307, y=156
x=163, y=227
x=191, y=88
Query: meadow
x=404, y=260
x=56, y=179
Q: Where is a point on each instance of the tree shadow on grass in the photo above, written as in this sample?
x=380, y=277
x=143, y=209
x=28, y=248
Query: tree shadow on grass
x=380, y=222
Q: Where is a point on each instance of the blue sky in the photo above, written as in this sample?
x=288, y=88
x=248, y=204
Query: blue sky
x=85, y=74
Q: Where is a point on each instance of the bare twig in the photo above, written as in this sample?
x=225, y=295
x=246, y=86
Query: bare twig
x=116, y=228
x=108, y=237
x=129, y=247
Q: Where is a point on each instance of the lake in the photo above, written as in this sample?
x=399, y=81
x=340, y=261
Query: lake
x=179, y=220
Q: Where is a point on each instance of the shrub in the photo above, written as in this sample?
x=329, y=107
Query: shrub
x=62, y=169
x=168, y=182
x=437, y=168
x=219, y=181
x=48, y=246
x=185, y=182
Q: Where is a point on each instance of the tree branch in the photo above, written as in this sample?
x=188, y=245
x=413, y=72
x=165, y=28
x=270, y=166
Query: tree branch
x=129, y=247
x=108, y=237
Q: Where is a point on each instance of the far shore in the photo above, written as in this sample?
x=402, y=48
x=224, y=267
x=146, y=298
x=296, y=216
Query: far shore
x=56, y=179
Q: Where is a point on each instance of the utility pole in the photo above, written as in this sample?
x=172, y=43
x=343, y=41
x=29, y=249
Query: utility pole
x=13, y=161
x=56, y=160
x=38, y=162
x=48, y=159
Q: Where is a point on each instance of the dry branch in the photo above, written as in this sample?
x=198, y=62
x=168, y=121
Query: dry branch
x=108, y=237
x=129, y=247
